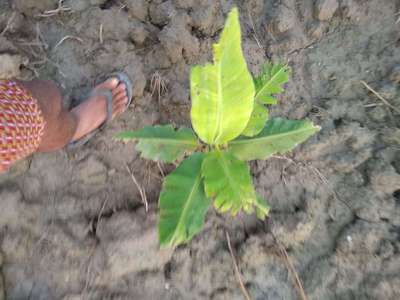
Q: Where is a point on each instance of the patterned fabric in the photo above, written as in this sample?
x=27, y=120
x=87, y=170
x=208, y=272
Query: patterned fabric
x=21, y=123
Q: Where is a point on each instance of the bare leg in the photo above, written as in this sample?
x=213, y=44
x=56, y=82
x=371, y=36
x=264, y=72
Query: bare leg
x=63, y=126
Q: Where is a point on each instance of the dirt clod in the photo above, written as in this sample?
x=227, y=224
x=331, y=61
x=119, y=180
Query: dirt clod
x=72, y=222
x=325, y=9
x=138, y=9
x=33, y=7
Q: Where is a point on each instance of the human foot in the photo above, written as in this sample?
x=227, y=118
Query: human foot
x=92, y=112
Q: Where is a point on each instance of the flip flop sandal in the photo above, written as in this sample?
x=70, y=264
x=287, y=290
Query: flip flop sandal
x=123, y=78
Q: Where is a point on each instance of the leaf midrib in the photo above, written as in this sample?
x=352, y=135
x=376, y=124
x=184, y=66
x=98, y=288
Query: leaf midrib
x=170, y=141
x=227, y=173
x=219, y=100
x=190, y=197
x=267, y=137
x=269, y=82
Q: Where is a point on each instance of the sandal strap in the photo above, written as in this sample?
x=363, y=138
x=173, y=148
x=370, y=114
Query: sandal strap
x=124, y=78
x=109, y=102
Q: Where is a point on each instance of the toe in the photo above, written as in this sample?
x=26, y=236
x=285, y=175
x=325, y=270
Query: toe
x=109, y=84
x=120, y=89
x=120, y=94
x=120, y=103
x=121, y=97
x=118, y=109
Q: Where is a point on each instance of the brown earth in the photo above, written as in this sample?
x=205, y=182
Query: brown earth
x=72, y=224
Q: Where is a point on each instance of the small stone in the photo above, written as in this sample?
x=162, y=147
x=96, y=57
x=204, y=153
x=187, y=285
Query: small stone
x=284, y=21
x=325, y=9
x=10, y=65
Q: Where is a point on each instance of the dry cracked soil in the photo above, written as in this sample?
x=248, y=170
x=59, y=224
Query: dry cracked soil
x=72, y=223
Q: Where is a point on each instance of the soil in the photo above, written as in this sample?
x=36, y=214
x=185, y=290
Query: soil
x=72, y=223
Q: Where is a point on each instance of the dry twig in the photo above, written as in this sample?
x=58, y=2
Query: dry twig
x=237, y=271
x=40, y=39
x=66, y=38
x=161, y=169
x=289, y=265
x=101, y=211
x=254, y=29
x=122, y=6
x=372, y=105
x=141, y=189
x=8, y=24
x=60, y=8
x=88, y=277
x=38, y=50
x=101, y=33
x=159, y=85
x=380, y=97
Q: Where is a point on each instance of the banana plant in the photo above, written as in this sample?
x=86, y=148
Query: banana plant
x=231, y=126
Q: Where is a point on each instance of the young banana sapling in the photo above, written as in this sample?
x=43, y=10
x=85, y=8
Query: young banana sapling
x=230, y=116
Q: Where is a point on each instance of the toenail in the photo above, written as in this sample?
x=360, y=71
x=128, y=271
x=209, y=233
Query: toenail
x=114, y=81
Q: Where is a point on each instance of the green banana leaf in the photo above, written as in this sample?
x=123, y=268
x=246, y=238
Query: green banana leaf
x=257, y=120
x=162, y=143
x=228, y=181
x=269, y=82
x=223, y=92
x=278, y=136
x=183, y=204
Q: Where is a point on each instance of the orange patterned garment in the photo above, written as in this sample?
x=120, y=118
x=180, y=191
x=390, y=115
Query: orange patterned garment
x=21, y=123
